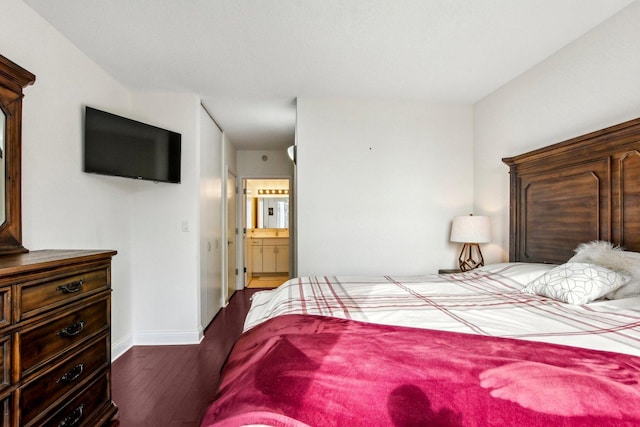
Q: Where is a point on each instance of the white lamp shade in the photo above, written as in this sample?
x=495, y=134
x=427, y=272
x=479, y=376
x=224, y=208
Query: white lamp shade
x=471, y=229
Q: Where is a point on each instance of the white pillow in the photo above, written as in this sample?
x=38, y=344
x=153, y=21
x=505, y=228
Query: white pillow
x=614, y=258
x=576, y=282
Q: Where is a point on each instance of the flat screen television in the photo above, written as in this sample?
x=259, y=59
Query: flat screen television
x=115, y=145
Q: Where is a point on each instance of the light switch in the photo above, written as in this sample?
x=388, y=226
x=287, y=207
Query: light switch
x=185, y=226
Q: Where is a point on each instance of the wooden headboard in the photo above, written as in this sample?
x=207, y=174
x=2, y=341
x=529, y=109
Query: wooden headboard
x=583, y=189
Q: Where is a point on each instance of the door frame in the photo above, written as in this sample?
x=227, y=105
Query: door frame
x=231, y=235
x=243, y=220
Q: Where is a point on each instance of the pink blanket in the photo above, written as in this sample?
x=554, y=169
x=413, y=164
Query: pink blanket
x=297, y=370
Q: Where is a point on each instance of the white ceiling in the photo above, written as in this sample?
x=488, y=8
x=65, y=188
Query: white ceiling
x=250, y=60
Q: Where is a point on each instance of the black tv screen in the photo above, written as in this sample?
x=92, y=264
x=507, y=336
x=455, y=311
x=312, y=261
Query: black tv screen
x=118, y=146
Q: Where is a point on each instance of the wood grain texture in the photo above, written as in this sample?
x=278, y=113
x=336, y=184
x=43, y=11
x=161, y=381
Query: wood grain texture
x=13, y=79
x=629, y=199
x=583, y=189
x=38, y=260
x=55, y=345
x=173, y=385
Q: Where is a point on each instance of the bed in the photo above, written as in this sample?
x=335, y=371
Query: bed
x=550, y=338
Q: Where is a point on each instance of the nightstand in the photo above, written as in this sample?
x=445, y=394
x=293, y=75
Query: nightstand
x=449, y=271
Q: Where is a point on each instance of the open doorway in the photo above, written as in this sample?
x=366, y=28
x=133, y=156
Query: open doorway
x=266, y=223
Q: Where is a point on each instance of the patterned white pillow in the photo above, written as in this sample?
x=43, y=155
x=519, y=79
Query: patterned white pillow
x=576, y=282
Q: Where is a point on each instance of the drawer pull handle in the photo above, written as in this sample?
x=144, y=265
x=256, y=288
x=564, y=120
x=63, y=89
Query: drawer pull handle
x=72, y=375
x=71, y=288
x=74, y=418
x=72, y=330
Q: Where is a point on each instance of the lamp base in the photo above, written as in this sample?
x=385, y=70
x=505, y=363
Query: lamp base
x=470, y=257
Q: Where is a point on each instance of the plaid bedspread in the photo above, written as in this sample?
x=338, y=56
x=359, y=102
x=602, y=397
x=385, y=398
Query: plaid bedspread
x=485, y=302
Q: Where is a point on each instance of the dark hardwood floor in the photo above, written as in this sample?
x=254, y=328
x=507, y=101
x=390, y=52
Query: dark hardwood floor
x=168, y=386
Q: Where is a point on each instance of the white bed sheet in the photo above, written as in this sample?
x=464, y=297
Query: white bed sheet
x=485, y=301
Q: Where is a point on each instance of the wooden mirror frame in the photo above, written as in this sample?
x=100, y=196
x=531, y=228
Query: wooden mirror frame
x=13, y=79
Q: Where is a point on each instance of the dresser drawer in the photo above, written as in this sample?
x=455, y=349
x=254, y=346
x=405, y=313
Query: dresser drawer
x=44, y=390
x=50, y=338
x=81, y=410
x=37, y=296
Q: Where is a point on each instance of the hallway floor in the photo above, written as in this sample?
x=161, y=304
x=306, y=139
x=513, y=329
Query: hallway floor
x=267, y=282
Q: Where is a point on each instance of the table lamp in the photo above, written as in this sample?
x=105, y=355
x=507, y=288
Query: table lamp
x=470, y=230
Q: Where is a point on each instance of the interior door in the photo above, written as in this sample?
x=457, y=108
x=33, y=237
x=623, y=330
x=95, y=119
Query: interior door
x=211, y=221
x=232, y=235
x=245, y=269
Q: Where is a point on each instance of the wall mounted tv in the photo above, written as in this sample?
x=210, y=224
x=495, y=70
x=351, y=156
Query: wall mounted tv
x=118, y=146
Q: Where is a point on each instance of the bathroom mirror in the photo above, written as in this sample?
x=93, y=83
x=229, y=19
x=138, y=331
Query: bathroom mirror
x=273, y=212
x=267, y=203
x=13, y=79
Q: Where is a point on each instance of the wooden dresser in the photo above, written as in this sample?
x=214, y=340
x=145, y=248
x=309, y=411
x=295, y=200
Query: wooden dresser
x=55, y=338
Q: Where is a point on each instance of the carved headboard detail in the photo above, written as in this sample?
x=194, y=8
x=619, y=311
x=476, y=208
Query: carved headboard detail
x=583, y=189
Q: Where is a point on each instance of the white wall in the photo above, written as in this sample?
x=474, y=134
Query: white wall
x=230, y=154
x=156, y=274
x=62, y=206
x=590, y=84
x=166, y=272
x=378, y=183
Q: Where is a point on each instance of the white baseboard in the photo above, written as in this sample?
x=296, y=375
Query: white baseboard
x=168, y=337
x=156, y=338
x=119, y=348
